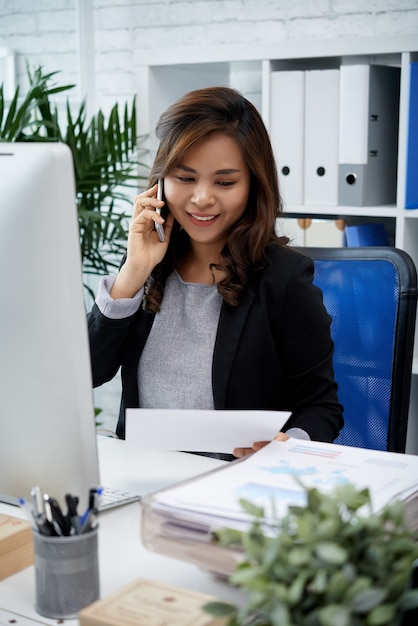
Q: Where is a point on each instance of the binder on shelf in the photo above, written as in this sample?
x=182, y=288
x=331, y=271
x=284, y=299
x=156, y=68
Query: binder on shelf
x=368, y=134
x=368, y=234
x=411, y=195
x=321, y=136
x=287, y=105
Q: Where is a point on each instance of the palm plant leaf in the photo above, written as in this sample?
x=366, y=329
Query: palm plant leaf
x=104, y=156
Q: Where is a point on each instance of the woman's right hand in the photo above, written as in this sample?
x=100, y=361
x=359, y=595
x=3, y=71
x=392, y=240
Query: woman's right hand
x=257, y=445
x=145, y=250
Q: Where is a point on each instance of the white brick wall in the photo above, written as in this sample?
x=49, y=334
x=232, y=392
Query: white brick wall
x=46, y=32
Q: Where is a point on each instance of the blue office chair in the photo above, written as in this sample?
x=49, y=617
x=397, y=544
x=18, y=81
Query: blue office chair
x=371, y=295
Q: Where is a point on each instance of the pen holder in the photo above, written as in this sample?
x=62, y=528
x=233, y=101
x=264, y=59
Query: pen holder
x=66, y=573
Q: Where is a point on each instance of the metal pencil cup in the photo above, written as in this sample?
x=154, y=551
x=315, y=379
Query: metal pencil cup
x=66, y=573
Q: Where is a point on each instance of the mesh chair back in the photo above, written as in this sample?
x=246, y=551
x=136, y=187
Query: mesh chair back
x=371, y=296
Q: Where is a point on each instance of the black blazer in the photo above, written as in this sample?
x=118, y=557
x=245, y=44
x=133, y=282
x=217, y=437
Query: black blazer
x=273, y=351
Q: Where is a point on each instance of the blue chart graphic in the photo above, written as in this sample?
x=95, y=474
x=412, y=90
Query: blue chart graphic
x=261, y=493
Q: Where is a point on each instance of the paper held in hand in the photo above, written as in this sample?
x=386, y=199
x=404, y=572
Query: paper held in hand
x=201, y=430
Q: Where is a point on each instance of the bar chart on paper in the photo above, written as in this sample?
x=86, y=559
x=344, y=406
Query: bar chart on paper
x=285, y=472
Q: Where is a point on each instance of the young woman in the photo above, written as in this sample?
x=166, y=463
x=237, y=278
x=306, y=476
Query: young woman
x=222, y=314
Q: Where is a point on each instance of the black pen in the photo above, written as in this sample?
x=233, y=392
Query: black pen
x=57, y=516
x=45, y=527
x=89, y=518
x=50, y=518
x=94, y=494
x=72, y=515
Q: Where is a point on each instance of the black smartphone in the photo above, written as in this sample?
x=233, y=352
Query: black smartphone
x=160, y=196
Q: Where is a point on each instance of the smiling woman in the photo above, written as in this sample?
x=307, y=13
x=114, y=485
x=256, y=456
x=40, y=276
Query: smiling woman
x=222, y=314
x=207, y=194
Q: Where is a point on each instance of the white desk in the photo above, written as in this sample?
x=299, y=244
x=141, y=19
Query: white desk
x=122, y=557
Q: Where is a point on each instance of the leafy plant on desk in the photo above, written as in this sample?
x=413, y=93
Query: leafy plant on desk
x=330, y=563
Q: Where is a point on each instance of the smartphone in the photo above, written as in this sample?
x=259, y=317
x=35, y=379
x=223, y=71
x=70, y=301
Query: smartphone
x=160, y=196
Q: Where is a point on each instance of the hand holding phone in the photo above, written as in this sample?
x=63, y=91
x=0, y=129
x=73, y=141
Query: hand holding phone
x=160, y=193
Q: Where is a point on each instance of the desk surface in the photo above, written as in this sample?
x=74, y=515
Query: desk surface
x=122, y=557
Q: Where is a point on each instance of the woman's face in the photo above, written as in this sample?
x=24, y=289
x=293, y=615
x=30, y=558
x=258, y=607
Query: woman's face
x=208, y=191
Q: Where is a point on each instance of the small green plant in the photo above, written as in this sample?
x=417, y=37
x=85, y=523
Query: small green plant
x=330, y=563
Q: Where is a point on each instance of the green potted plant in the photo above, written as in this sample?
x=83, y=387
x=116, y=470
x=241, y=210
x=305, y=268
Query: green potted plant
x=105, y=161
x=330, y=563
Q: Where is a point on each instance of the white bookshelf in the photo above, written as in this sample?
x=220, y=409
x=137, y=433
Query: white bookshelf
x=164, y=75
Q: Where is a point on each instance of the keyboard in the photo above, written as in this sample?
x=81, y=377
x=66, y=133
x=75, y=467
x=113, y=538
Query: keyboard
x=111, y=498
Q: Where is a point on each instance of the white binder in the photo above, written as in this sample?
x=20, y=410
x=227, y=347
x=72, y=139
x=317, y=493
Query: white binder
x=368, y=130
x=321, y=136
x=287, y=104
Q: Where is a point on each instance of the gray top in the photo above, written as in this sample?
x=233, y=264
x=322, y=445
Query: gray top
x=183, y=336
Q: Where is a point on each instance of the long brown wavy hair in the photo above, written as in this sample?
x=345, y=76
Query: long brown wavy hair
x=194, y=117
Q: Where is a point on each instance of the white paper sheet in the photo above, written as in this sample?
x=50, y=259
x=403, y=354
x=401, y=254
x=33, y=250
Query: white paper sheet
x=194, y=430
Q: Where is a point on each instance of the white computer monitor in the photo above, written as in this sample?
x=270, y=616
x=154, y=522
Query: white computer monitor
x=47, y=426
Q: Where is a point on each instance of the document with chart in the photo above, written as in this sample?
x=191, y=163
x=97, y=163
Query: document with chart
x=279, y=473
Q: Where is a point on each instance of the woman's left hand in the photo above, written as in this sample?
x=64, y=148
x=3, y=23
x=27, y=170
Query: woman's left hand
x=257, y=445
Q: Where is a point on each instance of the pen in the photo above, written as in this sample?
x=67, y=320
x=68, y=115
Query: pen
x=38, y=503
x=57, y=517
x=94, y=494
x=72, y=515
x=29, y=511
x=47, y=517
x=89, y=522
x=45, y=527
x=50, y=517
x=89, y=518
x=43, y=524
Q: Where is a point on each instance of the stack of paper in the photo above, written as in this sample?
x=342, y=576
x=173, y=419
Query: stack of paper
x=179, y=521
